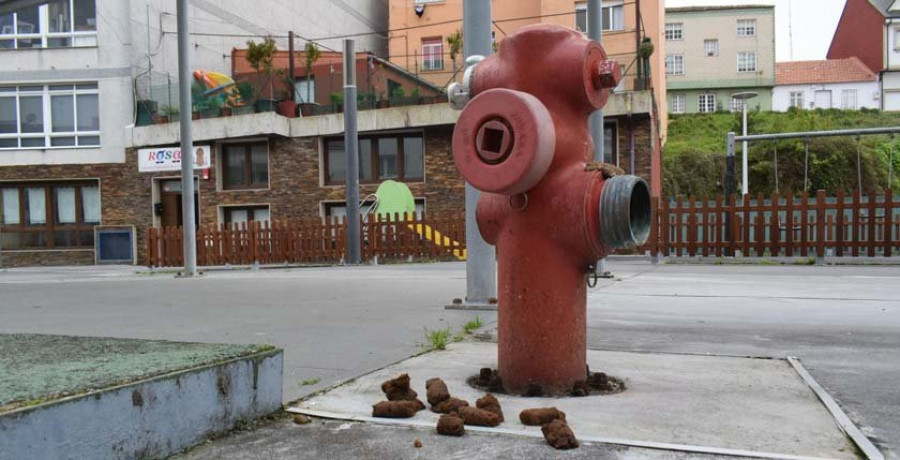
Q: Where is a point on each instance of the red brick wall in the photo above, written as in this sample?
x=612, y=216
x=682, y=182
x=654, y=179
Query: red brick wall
x=860, y=33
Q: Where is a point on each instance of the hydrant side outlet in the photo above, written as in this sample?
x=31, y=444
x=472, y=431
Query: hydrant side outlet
x=523, y=141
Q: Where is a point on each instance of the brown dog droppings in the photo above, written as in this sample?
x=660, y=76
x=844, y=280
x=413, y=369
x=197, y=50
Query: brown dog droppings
x=495, y=383
x=479, y=417
x=417, y=443
x=559, y=435
x=534, y=390
x=450, y=425
x=542, y=416
x=396, y=409
x=397, y=389
x=489, y=403
x=301, y=419
x=580, y=389
x=436, y=391
x=450, y=405
x=484, y=376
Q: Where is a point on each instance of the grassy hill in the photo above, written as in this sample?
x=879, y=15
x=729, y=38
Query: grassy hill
x=694, y=157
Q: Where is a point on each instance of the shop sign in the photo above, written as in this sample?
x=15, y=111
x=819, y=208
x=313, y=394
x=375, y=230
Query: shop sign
x=169, y=158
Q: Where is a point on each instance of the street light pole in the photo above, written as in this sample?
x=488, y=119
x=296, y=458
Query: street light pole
x=745, y=176
x=595, y=122
x=351, y=146
x=187, y=142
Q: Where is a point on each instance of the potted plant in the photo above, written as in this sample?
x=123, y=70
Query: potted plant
x=337, y=102
x=286, y=106
x=170, y=114
x=260, y=56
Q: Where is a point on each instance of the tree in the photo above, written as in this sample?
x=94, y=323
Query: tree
x=260, y=56
x=312, y=55
x=455, y=40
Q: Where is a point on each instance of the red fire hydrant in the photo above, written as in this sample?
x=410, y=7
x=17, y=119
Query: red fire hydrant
x=551, y=213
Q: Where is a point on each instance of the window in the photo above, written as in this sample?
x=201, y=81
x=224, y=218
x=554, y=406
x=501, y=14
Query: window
x=675, y=64
x=245, y=214
x=707, y=103
x=711, y=48
x=613, y=16
x=678, y=103
x=49, y=116
x=394, y=156
x=746, y=61
x=848, y=99
x=737, y=104
x=58, y=215
x=432, y=53
x=896, y=38
x=245, y=166
x=305, y=88
x=746, y=27
x=51, y=24
x=674, y=31
x=797, y=99
x=823, y=99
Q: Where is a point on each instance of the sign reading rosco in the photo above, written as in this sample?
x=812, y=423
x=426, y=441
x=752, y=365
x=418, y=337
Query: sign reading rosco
x=169, y=158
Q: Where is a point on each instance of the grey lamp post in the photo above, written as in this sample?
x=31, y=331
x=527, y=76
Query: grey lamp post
x=745, y=177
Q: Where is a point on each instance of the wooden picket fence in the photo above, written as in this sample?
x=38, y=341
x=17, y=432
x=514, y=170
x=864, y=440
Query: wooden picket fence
x=320, y=240
x=790, y=226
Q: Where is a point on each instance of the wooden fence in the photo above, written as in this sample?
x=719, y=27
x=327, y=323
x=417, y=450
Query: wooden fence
x=788, y=226
x=312, y=241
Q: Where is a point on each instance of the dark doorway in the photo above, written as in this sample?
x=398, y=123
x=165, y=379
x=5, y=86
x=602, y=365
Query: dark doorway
x=170, y=198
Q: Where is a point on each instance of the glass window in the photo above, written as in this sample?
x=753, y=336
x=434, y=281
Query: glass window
x=62, y=109
x=90, y=203
x=747, y=61
x=337, y=161
x=581, y=17
x=707, y=103
x=797, y=99
x=36, y=205
x=678, y=102
x=746, y=27
x=387, y=158
x=413, y=157
x=675, y=64
x=50, y=24
x=8, y=119
x=433, y=53
x=366, y=173
x=85, y=16
x=245, y=214
x=613, y=16
x=65, y=205
x=88, y=112
x=10, y=200
x=674, y=31
x=245, y=166
x=848, y=99
x=31, y=114
x=711, y=48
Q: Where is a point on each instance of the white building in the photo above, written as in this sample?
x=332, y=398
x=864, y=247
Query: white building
x=830, y=84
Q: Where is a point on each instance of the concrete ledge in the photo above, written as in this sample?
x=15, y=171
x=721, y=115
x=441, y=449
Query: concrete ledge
x=153, y=417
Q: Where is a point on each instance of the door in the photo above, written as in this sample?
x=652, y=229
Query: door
x=823, y=99
x=170, y=198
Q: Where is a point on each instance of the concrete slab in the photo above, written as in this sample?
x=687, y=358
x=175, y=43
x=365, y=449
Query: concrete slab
x=102, y=398
x=730, y=403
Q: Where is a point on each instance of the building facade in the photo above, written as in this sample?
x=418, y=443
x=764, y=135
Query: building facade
x=713, y=53
x=418, y=41
x=870, y=30
x=840, y=84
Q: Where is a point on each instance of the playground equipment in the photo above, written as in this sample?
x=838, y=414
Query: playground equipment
x=522, y=139
x=219, y=85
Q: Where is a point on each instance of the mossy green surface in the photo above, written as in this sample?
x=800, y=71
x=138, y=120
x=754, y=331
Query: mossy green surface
x=36, y=368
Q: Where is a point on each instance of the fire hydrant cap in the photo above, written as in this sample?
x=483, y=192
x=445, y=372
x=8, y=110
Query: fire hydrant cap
x=504, y=141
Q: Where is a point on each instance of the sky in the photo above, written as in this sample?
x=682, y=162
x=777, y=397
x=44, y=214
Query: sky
x=813, y=24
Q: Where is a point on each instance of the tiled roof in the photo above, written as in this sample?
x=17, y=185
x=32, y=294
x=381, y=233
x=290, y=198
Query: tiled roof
x=828, y=71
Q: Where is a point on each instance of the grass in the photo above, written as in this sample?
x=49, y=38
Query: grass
x=311, y=381
x=437, y=339
x=473, y=325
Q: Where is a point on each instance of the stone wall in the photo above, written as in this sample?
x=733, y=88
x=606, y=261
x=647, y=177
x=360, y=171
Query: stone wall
x=643, y=147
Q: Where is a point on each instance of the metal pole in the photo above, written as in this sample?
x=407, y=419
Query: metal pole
x=351, y=146
x=859, y=164
x=811, y=134
x=729, y=188
x=187, y=142
x=745, y=184
x=776, y=167
x=291, y=71
x=481, y=261
x=595, y=122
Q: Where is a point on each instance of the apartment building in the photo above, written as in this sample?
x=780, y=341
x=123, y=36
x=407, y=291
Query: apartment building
x=870, y=31
x=635, y=125
x=713, y=53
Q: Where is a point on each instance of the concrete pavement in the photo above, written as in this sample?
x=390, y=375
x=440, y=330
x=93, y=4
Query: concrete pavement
x=337, y=323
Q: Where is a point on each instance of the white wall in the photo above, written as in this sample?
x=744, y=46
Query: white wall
x=108, y=64
x=866, y=95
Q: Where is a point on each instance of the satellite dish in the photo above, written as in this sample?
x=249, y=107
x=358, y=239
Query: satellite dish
x=420, y=10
